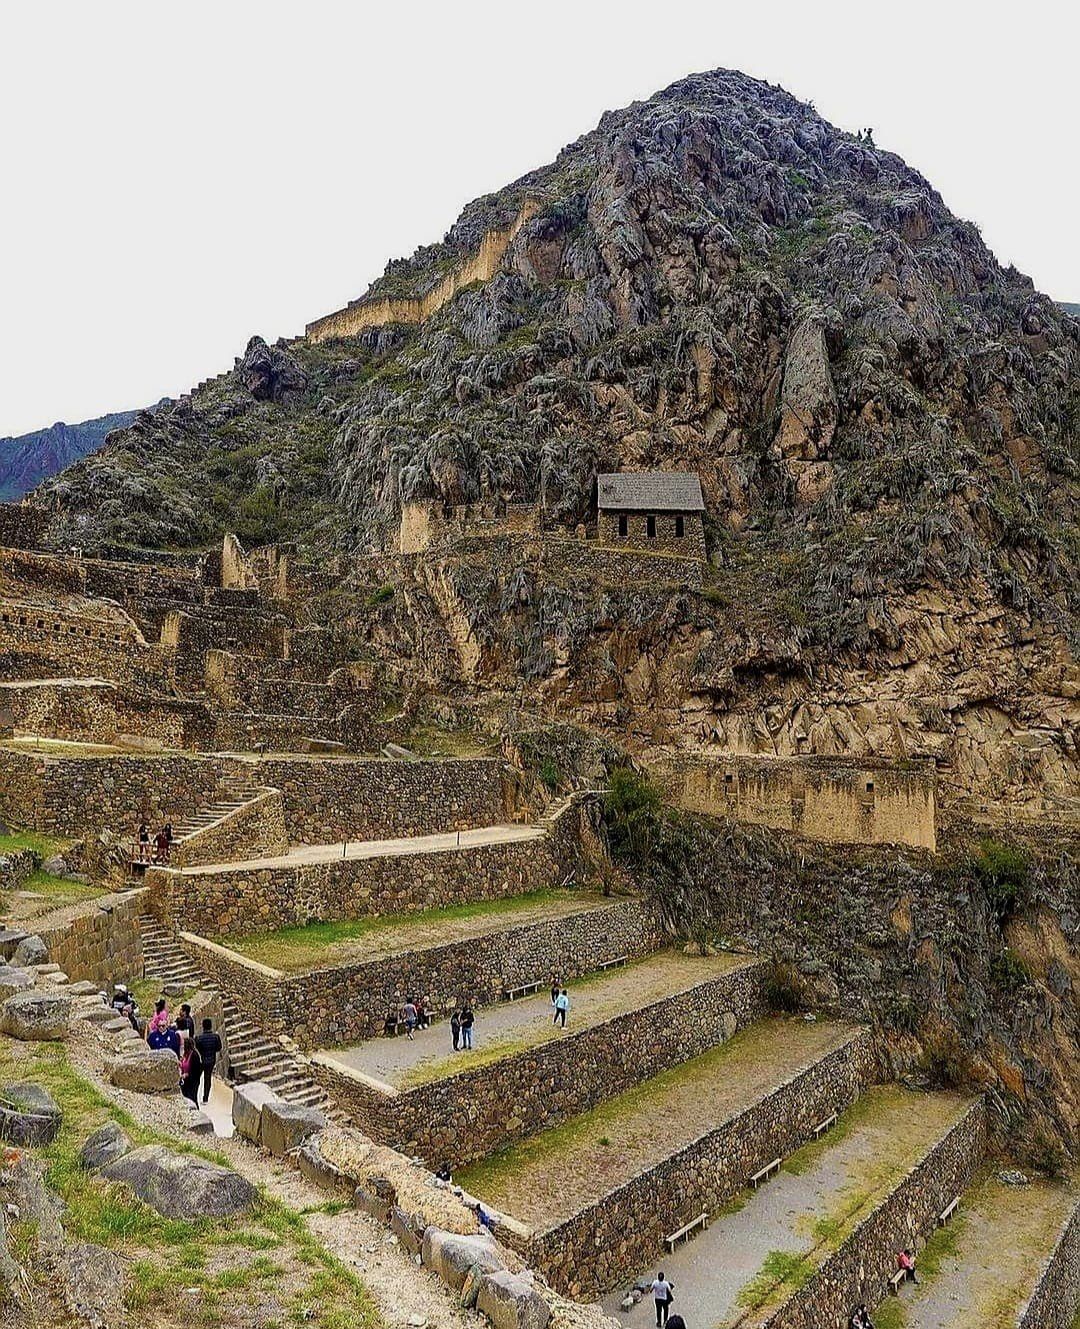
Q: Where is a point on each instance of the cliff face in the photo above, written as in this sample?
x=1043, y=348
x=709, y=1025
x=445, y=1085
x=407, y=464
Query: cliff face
x=885, y=423
x=28, y=459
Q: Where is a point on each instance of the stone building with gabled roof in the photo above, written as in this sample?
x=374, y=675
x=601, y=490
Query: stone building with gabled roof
x=659, y=512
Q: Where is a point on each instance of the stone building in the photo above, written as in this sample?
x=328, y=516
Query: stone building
x=656, y=511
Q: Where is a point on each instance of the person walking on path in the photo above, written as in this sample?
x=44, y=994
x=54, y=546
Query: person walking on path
x=184, y=1023
x=562, y=1005
x=408, y=1014
x=662, y=1291
x=467, y=1022
x=554, y=989
x=455, y=1029
x=676, y=1321
x=209, y=1046
x=190, y=1070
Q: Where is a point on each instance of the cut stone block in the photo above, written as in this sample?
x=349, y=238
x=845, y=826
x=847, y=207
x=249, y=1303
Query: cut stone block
x=145, y=1071
x=285, y=1126
x=510, y=1301
x=14, y=980
x=452, y=1255
x=247, y=1106
x=104, y=1146
x=31, y=950
x=33, y=1016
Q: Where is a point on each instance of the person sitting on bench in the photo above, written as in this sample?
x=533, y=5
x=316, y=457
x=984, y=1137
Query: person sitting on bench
x=906, y=1262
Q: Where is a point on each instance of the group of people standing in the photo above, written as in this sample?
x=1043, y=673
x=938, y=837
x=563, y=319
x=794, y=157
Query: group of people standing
x=415, y=1013
x=196, y=1053
x=160, y=849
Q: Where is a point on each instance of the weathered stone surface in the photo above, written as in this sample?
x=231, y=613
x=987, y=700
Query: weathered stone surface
x=94, y=1279
x=33, y=1016
x=29, y=1115
x=10, y=938
x=198, y=1123
x=105, y=1145
x=247, y=1108
x=285, y=1126
x=180, y=1186
x=510, y=1301
x=452, y=1255
x=317, y=1168
x=145, y=1071
x=31, y=950
x=14, y=980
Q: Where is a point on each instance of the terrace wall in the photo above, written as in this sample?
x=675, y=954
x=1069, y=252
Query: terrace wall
x=348, y=1003
x=469, y=1115
x=98, y=942
x=37, y=642
x=1056, y=1299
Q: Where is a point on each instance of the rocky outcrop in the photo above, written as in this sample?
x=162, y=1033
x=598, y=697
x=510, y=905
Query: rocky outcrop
x=34, y=1016
x=181, y=1185
x=270, y=373
x=145, y=1070
x=29, y=1115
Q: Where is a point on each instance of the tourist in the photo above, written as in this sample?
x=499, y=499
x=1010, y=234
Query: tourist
x=906, y=1261
x=554, y=989
x=190, y=1070
x=209, y=1045
x=676, y=1321
x=167, y=833
x=390, y=1024
x=161, y=847
x=860, y=1320
x=455, y=1029
x=184, y=1023
x=467, y=1022
x=164, y=1036
x=444, y=1175
x=487, y=1222
x=663, y=1295
x=408, y=1015
x=562, y=1005
x=160, y=1017
x=144, y=842
x=423, y=1013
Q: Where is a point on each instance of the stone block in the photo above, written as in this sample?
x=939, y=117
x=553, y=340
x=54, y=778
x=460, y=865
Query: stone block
x=36, y=1016
x=247, y=1108
x=319, y=1170
x=373, y=1205
x=409, y=1233
x=145, y=1071
x=105, y=1145
x=31, y=950
x=285, y=1126
x=29, y=1115
x=453, y=1255
x=9, y=940
x=182, y=1186
x=14, y=980
x=510, y=1301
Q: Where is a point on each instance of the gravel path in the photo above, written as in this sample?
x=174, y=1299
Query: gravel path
x=513, y=1026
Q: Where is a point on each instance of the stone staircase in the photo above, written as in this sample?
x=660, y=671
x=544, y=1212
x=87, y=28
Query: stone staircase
x=233, y=795
x=252, y=1055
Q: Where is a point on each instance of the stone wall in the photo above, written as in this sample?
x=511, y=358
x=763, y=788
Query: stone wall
x=824, y=798
x=44, y=643
x=860, y=1269
x=79, y=796
x=348, y=1003
x=1056, y=1299
x=246, y=900
x=620, y=1234
x=379, y=798
x=665, y=540
x=98, y=941
x=15, y=867
x=254, y=830
x=469, y=1115
x=95, y=711
x=21, y=525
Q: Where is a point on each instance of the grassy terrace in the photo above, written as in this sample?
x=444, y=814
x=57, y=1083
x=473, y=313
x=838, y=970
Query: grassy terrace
x=41, y=891
x=978, y=1272
x=265, y=1265
x=320, y=945
x=513, y=1027
x=549, y=1177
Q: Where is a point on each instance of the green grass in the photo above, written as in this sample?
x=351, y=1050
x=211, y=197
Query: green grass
x=42, y=845
x=781, y=1274
x=61, y=890
x=299, y=948
x=429, y=740
x=158, y=1248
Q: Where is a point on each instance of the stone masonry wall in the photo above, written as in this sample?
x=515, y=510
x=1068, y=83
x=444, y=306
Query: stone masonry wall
x=245, y=900
x=348, y=1003
x=860, y=1269
x=619, y=1234
x=21, y=525
x=98, y=941
x=84, y=710
x=691, y=544
x=42, y=643
x=1056, y=1299
x=255, y=830
x=380, y=798
x=471, y=1114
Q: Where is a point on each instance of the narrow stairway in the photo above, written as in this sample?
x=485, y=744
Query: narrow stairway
x=232, y=796
x=253, y=1056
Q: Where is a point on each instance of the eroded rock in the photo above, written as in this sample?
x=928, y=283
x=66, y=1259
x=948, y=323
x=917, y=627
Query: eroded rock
x=29, y=1115
x=104, y=1146
x=36, y=1016
x=145, y=1070
x=181, y=1186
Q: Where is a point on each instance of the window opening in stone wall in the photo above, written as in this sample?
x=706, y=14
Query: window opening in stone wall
x=679, y=528
x=650, y=527
x=623, y=529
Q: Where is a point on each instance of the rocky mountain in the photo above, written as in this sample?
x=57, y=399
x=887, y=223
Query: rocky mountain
x=28, y=459
x=884, y=419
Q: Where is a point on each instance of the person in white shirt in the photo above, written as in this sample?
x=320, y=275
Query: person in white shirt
x=662, y=1290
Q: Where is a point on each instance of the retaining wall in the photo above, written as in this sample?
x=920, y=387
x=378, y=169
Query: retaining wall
x=1056, y=1299
x=98, y=942
x=254, y=830
x=469, y=1115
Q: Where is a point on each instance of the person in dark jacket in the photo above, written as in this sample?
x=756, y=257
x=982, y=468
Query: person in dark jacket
x=209, y=1046
x=184, y=1023
x=190, y=1070
x=467, y=1022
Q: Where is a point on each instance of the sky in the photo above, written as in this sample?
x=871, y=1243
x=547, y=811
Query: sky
x=179, y=177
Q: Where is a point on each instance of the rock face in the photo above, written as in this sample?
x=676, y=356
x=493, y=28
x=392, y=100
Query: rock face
x=179, y=1186
x=146, y=1071
x=270, y=374
x=33, y=1016
x=104, y=1146
x=29, y=1115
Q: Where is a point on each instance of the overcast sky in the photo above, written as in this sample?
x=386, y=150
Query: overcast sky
x=177, y=177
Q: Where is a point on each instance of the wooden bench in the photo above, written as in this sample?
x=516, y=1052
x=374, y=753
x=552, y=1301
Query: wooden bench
x=683, y=1233
x=823, y=1126
x=610, y=964
x=763, y=1174
x=948, y=1212
x=522, y=990
x=896, y=1282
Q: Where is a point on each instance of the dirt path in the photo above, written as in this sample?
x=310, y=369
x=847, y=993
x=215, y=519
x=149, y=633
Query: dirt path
x=823, y=1191
x=548, y=1178
x=991, y=1257
x=514, y=1026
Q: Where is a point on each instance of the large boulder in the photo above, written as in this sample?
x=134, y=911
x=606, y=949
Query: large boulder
x=182, y=1186
x=285, y=1126
x=14, y=980
x=33, y=1016
x=104, y=1146
x=10, y=938
x=31, y=950
x=29, y=1115
x=145, y=1070
x=247, y=1108
x=510, y=1301
x=452, y=1255
x=269, y=373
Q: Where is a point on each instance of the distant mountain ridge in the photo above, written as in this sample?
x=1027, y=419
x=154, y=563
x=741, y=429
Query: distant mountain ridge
x=27, y=459
x=1073, y=309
